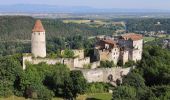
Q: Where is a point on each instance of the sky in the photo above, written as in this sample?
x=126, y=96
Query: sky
x=139, y=4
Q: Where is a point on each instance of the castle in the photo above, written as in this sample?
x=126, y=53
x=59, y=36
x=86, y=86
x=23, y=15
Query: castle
x=121, y=48
x=38, y=52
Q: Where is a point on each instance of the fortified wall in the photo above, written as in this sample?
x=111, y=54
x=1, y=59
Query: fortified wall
x=107, y=75
x=70, y=62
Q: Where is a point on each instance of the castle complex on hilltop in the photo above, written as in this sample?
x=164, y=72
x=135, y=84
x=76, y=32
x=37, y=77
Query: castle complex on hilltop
x=121, y=48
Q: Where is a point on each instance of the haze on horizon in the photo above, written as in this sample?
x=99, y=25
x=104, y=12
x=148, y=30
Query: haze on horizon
x=130, y=4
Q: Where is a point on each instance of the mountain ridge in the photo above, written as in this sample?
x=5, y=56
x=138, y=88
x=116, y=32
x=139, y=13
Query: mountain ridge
x=37, y=8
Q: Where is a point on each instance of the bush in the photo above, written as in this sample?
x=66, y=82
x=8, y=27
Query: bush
x=130, y=63
x=97, y=88
x=68, y=53
x=107, y=64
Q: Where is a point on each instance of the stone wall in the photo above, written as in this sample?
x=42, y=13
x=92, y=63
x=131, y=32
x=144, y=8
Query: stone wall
x=82, y=62
x=103, y=74
x=125, y=56
x=95, y=64
x=137, y=50
x=70, y=62
x=38, y=44
x=79, y=53
x=130, y=50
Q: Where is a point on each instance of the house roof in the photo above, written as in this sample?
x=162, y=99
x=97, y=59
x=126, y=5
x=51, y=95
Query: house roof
x=132, y=36
x=101, y=44
x=109, y=41
x=38, y=27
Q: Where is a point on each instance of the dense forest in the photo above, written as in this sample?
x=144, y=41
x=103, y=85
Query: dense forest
x=148, y=24
x=20, y=27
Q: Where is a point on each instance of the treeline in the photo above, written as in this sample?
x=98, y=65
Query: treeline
x=53, y=45
x=150, y=80
x=147, y=24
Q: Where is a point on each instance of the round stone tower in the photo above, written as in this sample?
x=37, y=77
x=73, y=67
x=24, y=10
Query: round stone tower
x=38, y=41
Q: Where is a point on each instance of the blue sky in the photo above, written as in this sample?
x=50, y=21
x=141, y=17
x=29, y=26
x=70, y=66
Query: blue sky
x=147, y=4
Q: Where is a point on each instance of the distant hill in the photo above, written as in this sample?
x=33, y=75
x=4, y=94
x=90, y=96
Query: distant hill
x=35, y=8
x=20, y=27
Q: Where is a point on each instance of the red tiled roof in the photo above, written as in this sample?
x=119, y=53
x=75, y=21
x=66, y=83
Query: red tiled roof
x=38, y=27
x=108, y=41
x=132, y=36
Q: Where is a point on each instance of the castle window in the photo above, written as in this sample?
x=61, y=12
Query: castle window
x=38, y=33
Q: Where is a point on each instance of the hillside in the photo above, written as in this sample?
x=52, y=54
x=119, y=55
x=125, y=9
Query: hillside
x=19, y=27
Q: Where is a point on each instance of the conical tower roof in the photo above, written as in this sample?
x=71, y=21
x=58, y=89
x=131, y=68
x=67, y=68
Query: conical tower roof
x=38, y=27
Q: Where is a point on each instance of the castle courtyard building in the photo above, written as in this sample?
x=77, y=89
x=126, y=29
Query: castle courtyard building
x=126, y=47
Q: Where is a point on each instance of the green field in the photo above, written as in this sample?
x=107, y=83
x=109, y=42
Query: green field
x=96, y=96
x=100, y=96
x=147, y=39
x=13, y=98
x=84, y=21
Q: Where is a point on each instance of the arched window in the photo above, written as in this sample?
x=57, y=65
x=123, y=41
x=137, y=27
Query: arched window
x=110, y=77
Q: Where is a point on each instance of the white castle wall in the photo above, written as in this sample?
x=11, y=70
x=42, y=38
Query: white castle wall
x=38, y=44
x=83, y=62
x=95, y=64
x=138, y=44
x=25, y=59
x=137, y=51
x=70, y=62
x=79, y=53
x=115, y=55
x=102, y=74
x=125, y=56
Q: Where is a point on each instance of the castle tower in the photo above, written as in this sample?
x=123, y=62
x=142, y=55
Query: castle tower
x=38, y=41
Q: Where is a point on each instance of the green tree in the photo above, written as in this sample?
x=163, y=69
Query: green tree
x=124, y=93
x=107, y=64
x=79, y=83
x=60, y=78
x=68, y=53
x=32, y=82
x=130, y=63
x=10, y=72
x=134, y=79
